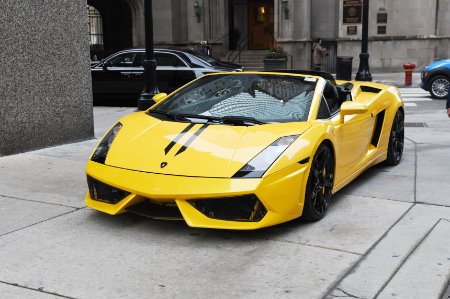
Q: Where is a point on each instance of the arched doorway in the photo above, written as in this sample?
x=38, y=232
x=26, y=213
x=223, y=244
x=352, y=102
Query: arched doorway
x=116, y=25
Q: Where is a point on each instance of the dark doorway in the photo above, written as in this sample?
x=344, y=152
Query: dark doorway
x=251, y=24
x=116, y=25
x=260, y=24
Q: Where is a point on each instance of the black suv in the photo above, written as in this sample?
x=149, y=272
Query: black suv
x=122, y=74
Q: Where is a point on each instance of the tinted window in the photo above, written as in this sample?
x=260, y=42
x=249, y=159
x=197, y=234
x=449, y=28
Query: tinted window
x=323, y=112
x=162, y=59
x=267, y=98
x=123, y=60
x=166, y=59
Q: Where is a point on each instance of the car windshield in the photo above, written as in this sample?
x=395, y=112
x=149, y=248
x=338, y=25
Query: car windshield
x=262, y=98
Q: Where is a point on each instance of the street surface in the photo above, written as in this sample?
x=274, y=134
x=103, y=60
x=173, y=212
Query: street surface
x=386, y=235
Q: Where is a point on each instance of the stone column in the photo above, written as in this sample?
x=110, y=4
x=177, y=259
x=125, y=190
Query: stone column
x=294, y=33
x=45, y=85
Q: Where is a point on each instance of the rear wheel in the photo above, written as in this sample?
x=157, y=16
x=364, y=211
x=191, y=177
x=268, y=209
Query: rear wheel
x=320, y=185
x=396, y=140
x=439, y=87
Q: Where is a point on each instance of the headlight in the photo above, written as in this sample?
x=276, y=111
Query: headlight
x=261, y=162
x=102, y=149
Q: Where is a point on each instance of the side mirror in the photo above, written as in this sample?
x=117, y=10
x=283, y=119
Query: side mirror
x=159, y=97
x=106, y=65
x=350, y=108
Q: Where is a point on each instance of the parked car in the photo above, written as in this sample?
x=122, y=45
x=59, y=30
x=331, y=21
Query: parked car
x=122, y=74
x=436, y=78
x=246, y=150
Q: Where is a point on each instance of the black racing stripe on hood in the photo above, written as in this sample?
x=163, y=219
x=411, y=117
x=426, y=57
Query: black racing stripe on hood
x=179, y=136
x=193, y=137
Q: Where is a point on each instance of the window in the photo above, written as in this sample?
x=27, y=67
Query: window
x=162, y=59
x=123, y=60
x=166, y=59
x=95, y=27
x=323, y=112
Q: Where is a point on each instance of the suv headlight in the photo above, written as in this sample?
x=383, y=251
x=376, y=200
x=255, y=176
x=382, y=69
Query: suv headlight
x=261, y=162
x=102, y=149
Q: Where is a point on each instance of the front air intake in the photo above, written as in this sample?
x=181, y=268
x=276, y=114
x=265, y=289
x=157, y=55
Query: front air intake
x=105, y=193
x=246, y=208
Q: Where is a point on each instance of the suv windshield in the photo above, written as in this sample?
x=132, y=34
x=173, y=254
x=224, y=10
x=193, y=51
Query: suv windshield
x=262, y=98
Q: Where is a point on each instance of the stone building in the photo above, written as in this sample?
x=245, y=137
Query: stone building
x=400, y=31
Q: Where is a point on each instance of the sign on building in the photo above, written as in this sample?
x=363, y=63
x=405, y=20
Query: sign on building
x=352, y=12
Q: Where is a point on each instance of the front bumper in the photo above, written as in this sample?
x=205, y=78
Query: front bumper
x=424, y=81
x=281, y=194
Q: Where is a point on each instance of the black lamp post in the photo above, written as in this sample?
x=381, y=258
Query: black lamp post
x=363, y=73
x=150, y=88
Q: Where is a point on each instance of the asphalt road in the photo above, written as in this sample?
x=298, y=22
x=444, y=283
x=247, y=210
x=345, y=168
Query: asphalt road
x=386, y=235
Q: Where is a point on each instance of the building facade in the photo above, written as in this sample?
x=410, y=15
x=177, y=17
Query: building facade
x=400, y=31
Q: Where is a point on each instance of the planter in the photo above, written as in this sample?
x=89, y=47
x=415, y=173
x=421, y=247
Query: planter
x=275, y=64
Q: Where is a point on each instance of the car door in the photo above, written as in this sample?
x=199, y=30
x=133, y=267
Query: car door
x=352, y=142
x=352, y=138
x=113, y=77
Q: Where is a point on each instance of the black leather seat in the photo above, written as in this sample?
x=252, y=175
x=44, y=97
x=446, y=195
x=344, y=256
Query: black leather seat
x=331, y=95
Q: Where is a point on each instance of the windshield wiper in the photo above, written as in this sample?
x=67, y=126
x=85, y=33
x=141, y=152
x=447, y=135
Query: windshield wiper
x=240, y=120
x=167, y=114
x=233, y=120
x=199, y=116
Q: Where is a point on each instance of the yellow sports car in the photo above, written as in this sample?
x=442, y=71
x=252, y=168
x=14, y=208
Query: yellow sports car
x=246, y=150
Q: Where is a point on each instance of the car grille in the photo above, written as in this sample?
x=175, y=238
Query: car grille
x=105, y=193
x=246, y=208
x=156, y=209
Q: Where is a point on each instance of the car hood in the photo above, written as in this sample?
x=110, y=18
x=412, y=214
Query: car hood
x=148, y=144
x=437, y=64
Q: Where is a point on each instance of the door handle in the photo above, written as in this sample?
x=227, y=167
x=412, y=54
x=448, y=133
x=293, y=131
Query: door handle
x=138, y=73
x=126, y=73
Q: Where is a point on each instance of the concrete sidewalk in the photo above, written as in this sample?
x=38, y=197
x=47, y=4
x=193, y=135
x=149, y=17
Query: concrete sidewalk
x=387, y=234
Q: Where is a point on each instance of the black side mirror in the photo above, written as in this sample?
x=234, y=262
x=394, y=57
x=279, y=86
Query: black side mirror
x=106, y=65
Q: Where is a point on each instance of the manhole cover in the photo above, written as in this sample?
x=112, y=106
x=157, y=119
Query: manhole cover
x=416, y=125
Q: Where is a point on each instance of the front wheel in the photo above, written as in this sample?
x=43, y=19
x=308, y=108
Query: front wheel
x=439, y=87
x=396, y=140
x=320, y=185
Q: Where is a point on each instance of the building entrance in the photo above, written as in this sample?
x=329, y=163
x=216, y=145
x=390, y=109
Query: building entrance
x=109, y=26
x=251, y=24
x=260, y=24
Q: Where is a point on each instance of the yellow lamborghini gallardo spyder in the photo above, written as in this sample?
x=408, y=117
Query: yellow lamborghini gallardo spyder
x=246, y=150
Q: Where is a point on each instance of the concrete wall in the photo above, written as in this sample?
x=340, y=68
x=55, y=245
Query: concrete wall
x=45, y=84
x=390, y=55
x=324, y=24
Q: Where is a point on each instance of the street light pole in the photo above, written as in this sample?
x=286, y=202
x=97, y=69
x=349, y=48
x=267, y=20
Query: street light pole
x=150, y=88
x=363, y=73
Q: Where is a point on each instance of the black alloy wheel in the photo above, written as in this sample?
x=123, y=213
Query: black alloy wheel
x=320, y=185
x=396, y=140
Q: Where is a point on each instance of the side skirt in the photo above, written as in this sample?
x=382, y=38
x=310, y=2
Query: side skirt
x=379, y=158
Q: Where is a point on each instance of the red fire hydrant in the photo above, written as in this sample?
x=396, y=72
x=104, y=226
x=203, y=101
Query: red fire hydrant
x=408, y=67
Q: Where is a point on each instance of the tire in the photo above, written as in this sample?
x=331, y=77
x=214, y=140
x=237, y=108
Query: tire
x=320, y=185
x=439, y=87
x=396, y=140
